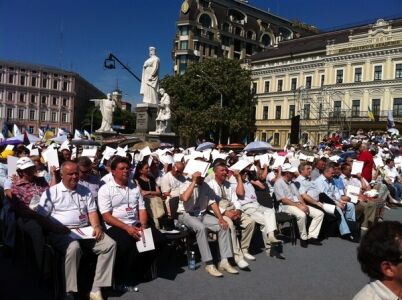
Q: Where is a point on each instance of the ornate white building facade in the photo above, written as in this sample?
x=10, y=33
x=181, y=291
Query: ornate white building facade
x=332, y=80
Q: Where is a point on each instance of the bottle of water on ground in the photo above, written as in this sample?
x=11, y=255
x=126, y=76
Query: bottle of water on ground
x=191, y=261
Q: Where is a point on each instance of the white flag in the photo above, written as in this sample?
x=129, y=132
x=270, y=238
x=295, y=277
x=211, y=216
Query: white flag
x=60, y=132
x=87, y=134
x=41, y=133
x=77, y=135
x=16, y=131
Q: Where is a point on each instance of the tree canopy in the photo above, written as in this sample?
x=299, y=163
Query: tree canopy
x=195, y=101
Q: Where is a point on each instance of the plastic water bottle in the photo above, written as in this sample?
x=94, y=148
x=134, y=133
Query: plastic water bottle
x=191, y=261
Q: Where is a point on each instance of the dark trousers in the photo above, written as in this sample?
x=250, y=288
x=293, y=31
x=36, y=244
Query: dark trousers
x=132, y=266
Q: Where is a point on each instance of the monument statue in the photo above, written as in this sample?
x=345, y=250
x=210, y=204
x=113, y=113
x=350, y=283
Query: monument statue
x=106, y=107
x=150, y=78
x=163, y=112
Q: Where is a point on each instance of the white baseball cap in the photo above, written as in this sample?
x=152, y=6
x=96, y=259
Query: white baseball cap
x=24, y=163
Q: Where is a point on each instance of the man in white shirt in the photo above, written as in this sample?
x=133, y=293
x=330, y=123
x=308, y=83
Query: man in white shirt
x=260, y=214
x=364, y=207
x=293, y=203
x=171, y=183
x=73, y=206
x=345, y=210
x=392, y=175
x=231, y=210
x=122, y=207
x=197, y=200
x=380, y=257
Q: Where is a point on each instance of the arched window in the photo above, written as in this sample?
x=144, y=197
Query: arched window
x=285, y=33
x=205, y=21
x=225, y=27
x=266, y=40
x=250, y=35
x=238, y=31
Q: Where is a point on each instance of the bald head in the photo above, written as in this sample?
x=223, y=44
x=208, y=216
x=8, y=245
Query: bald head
x=69, y=174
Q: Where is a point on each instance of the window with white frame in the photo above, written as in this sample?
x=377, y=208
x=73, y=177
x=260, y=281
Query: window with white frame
x=378, y=72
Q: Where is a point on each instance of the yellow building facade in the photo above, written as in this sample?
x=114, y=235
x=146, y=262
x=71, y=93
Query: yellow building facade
x=332, y=80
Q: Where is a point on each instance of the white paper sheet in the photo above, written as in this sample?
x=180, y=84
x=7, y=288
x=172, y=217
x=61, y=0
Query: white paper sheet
x=353, y=192
x=82, y=233
x=264, y=159
x=329, y=208
x=378, y=162
x=279, y=161
x=11, y=165
x=240, y=165
x=196, y=166
x=146, y=243
x=357, y=167
x=177, y=157
x=52, y=158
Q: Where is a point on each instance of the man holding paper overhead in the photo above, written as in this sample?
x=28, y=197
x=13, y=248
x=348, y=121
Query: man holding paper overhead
x=72, y=205
x=199, y=211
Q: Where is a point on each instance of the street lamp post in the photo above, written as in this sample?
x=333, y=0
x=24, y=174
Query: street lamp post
x=221, y=100
x=110, y=63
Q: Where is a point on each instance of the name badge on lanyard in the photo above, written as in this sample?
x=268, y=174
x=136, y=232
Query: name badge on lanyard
x=130, y=212
x=83, y=220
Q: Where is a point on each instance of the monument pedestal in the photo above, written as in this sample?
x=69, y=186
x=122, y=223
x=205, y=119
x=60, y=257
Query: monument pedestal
x=145, y=118
x=167, y=137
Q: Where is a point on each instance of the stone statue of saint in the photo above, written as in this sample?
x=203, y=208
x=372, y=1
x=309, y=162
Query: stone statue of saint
x=150, y=78
x=106, y=107
x=163, y=112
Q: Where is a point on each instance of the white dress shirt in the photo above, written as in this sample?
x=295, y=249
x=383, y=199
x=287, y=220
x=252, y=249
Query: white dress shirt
x=123, y=202
x=68, y=207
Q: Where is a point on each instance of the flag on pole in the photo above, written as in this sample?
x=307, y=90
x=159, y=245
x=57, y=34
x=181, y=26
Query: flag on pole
x=77, y=135
x=16, y=130
x=86, y=133
x=390, y=120
x=60, y=132
x=370, y=114
x=41, y=133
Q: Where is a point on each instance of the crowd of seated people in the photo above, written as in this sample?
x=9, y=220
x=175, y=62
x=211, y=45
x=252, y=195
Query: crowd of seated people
x=116, y=196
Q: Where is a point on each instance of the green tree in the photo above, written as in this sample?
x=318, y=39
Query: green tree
x=195, y=101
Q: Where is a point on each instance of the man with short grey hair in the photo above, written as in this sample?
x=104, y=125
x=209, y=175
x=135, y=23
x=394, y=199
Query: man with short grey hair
x=73, y=206
x=293, y=203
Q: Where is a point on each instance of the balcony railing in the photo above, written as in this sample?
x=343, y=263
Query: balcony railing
x=379, y=116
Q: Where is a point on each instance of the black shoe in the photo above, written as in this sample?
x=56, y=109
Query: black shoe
x=314, y=241
x=350, y=238
x=303, y=243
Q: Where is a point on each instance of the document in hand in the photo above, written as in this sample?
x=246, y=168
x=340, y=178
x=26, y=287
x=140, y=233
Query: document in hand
x=82, y=233
x=353, y=192
x=279, y=161
x=378, y=162
x=196, y=166
x=264, y=159
x=146, y=243
x=329, y=208
x=357, y=167
x=51, y=157
x=11, y=165
x=240, y=165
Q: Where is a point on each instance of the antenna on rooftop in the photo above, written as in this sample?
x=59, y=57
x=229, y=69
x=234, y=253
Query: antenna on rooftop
x=61, y=44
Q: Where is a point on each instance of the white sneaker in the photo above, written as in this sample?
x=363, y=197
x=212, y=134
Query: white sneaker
x=241, y=263
x=95, y=296
x=248, y=256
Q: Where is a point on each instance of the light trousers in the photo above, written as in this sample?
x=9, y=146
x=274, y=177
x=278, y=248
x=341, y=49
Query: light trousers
x=315, y=226
x=262, y=215
x=247, y=227
x=71, y=248
x=200, y=226
x=368, y=210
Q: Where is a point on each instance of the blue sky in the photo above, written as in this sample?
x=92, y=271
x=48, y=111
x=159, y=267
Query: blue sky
x=78, y=34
